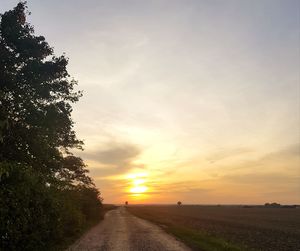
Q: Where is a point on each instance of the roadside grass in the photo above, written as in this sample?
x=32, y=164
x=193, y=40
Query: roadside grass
x=202, y=241
x=195, y=239
x=70, y=240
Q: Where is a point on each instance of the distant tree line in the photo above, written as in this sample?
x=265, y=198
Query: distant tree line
x=277, y=205
x=274, y=204
x=46, y=195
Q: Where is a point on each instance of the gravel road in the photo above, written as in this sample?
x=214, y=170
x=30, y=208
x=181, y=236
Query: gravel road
x=122, y=231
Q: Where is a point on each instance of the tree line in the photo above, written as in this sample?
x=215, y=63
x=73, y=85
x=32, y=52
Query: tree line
x=46, y=194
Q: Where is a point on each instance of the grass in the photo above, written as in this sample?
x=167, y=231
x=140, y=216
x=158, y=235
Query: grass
x=202, y=241
x=69, y=241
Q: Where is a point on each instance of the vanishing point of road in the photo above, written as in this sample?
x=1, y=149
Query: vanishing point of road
x=121, y=231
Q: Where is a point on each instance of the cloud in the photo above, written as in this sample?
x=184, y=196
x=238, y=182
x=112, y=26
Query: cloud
x=116, y=154
x=273, y=170
x=286, y=153
x=189, y=186
x=263, y=178
x=115, y=157
x=228, y=153
x=286, y=159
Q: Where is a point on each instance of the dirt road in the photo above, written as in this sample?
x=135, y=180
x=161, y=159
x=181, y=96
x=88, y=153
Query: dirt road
x=122, y=231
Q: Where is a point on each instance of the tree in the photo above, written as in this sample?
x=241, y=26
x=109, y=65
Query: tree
x=45, y=191
x=36, y=94
x=274, y=205
x=179, y=203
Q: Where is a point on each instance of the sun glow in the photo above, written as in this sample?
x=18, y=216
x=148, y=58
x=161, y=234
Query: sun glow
x=133, y=176
x=137, y=184
x=138, y=189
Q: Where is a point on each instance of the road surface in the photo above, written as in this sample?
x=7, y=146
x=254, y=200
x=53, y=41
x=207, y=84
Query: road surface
x=121, y=231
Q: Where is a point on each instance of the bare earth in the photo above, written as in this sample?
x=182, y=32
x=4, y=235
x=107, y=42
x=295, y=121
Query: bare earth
x=122, y=231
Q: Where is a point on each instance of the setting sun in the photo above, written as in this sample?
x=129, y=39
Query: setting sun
x=137, y=184
x=138, y=189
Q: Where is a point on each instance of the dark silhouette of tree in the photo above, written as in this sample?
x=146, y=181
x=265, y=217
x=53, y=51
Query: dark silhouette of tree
x=273, y=205
x=45, y=191
x=36, y=94
x=126, y=203
x=179, y=203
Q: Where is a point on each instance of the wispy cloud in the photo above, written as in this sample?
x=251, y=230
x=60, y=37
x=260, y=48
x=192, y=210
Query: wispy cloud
x=228, y=153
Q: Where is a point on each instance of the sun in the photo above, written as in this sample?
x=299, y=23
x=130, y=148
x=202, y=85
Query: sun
x=137, y=184
x=138, y=189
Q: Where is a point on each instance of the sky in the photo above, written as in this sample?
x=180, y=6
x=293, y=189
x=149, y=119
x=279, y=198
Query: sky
x=197, y=101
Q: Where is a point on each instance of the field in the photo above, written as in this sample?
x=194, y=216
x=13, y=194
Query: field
x=217, y=228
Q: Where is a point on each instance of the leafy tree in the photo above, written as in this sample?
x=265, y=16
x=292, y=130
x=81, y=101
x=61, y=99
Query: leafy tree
x=36, y=94
x=46, y=194
x=179, y=203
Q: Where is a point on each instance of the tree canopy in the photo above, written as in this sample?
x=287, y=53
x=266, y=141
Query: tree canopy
x=37, y=136
x=36, y=94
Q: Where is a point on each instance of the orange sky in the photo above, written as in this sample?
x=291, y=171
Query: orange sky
x=196, y=101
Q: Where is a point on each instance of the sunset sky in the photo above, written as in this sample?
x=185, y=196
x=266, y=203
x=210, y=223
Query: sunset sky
x=197, y=101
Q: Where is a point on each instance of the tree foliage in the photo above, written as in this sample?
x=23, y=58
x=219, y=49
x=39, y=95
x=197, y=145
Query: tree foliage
x=44, y=188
